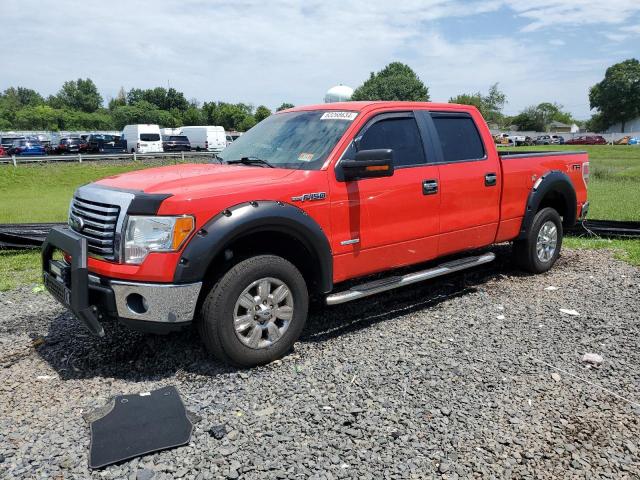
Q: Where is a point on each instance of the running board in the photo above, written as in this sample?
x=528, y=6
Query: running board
x=377, y=286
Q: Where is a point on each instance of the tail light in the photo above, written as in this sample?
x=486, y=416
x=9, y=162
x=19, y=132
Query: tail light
x=585, y=173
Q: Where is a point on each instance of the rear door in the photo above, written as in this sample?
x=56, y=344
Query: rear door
x=382, y=223
x=470, y=182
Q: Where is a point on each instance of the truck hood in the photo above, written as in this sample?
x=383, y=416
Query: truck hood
x=187, y=180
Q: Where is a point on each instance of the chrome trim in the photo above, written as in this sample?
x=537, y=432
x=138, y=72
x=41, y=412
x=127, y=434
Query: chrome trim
x=167, y=303
x=377, y=286
x=350, y=242
x=95, y=193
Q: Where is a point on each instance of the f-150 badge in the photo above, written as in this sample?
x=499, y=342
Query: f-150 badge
x=307, y=197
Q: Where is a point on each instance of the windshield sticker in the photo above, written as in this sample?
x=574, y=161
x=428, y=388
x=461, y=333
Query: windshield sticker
x=305, y=157
x=339, y=116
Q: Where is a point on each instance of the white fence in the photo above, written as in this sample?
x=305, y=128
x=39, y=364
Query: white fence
x=181, y=156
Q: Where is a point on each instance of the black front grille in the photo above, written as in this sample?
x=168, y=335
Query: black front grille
x=97, y=223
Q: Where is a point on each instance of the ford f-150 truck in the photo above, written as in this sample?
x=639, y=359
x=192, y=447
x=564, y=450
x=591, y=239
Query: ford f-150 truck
x=313, y=200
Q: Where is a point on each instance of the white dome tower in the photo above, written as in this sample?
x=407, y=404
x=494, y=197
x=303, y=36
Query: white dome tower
x=339, y=93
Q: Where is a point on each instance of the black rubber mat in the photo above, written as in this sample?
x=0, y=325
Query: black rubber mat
x=137, y=425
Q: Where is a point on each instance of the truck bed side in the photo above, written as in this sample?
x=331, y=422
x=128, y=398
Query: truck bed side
x=522, y=173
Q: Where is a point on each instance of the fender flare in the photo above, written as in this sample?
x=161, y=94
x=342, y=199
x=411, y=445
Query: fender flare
x=553, y=181
x=249, y=218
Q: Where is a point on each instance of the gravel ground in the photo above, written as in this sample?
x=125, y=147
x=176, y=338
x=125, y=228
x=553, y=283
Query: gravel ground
x=451, y=378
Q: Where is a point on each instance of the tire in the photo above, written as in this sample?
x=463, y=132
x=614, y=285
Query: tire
x=527, y=253
x=223, y=305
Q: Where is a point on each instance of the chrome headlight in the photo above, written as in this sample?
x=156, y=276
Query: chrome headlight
x=154, y=234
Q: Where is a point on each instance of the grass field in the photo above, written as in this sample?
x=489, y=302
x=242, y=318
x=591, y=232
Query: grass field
x=41, y=192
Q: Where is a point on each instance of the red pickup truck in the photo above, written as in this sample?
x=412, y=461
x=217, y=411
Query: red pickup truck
x=308, y=199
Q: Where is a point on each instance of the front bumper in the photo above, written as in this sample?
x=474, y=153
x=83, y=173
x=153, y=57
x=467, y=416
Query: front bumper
x=151, y=306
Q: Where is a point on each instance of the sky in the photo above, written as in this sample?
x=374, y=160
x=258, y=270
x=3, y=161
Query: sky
x=269, y=52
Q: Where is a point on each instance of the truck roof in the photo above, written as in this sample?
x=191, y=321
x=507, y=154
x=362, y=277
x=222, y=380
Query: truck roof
x=372, y=105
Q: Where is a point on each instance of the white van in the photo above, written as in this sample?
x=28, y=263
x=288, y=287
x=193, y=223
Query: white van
x=142, y=138
x=206, y=137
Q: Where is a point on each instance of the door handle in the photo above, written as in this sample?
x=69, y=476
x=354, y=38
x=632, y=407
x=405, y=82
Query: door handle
x=490, y=180
x=429, y=187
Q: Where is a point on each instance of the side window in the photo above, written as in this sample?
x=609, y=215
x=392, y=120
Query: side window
x=459, y=138
x=399, y=134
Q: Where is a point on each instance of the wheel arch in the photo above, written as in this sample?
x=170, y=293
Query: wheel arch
x=554, y=189
x=254, y=228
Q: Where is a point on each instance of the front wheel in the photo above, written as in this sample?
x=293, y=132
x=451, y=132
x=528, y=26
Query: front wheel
x=541, y=248
x=255, y=312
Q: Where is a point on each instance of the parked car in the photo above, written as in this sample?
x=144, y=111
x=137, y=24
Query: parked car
x=502, y=139
x=8, y=141
x=240, y=246
x=3, y=152
x=587, y=140
x=71, y=145
x=26, y=147
x=634, y=141
x=176, y=143
x=142, y=138
x=557, y=139
x=232, y=136
x=103, y=143
x=206, y=137
x=543, y=140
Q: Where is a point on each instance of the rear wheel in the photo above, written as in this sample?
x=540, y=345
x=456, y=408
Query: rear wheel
x=255, y=312
x=539, y=251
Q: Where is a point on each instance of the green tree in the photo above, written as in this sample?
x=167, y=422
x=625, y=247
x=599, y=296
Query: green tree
x=13, y=99
x=285, y=106
x=39, y=117
x=596, y=123
x=81, y=94
x=539, y=117
x=232, y=116
x=490, y=105
x=120, y=100
x=262, y=112
x=160, y=97
x=396, y=81
x=193, y=116
x=617, y=96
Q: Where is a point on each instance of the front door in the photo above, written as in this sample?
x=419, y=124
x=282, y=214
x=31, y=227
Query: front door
x=382, y=223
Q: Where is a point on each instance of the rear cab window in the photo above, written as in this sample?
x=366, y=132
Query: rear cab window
x=459, y=137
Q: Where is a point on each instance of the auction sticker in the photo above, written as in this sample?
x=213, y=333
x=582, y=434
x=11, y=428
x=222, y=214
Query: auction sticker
x=305, y=157
x=339, y=116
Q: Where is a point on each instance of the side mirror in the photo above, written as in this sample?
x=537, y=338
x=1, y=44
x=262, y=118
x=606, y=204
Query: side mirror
x=368, y=164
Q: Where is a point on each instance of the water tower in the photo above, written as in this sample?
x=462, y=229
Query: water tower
x=339, y=93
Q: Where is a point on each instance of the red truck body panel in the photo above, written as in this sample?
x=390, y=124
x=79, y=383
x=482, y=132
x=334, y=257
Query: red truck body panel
x=394, y=222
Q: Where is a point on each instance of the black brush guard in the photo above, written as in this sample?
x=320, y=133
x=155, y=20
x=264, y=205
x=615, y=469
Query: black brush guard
x=70, y=283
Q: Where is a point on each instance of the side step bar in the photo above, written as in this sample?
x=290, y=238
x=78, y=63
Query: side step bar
x=377, y=286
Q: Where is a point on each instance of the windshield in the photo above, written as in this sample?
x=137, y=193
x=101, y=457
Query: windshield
x=178, y=139
x=300, y=140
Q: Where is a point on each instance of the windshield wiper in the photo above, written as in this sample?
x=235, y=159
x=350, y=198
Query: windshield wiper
x=251, y=161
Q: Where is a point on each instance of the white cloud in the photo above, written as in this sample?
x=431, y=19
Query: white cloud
x=270, y=52
x=572, y=13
